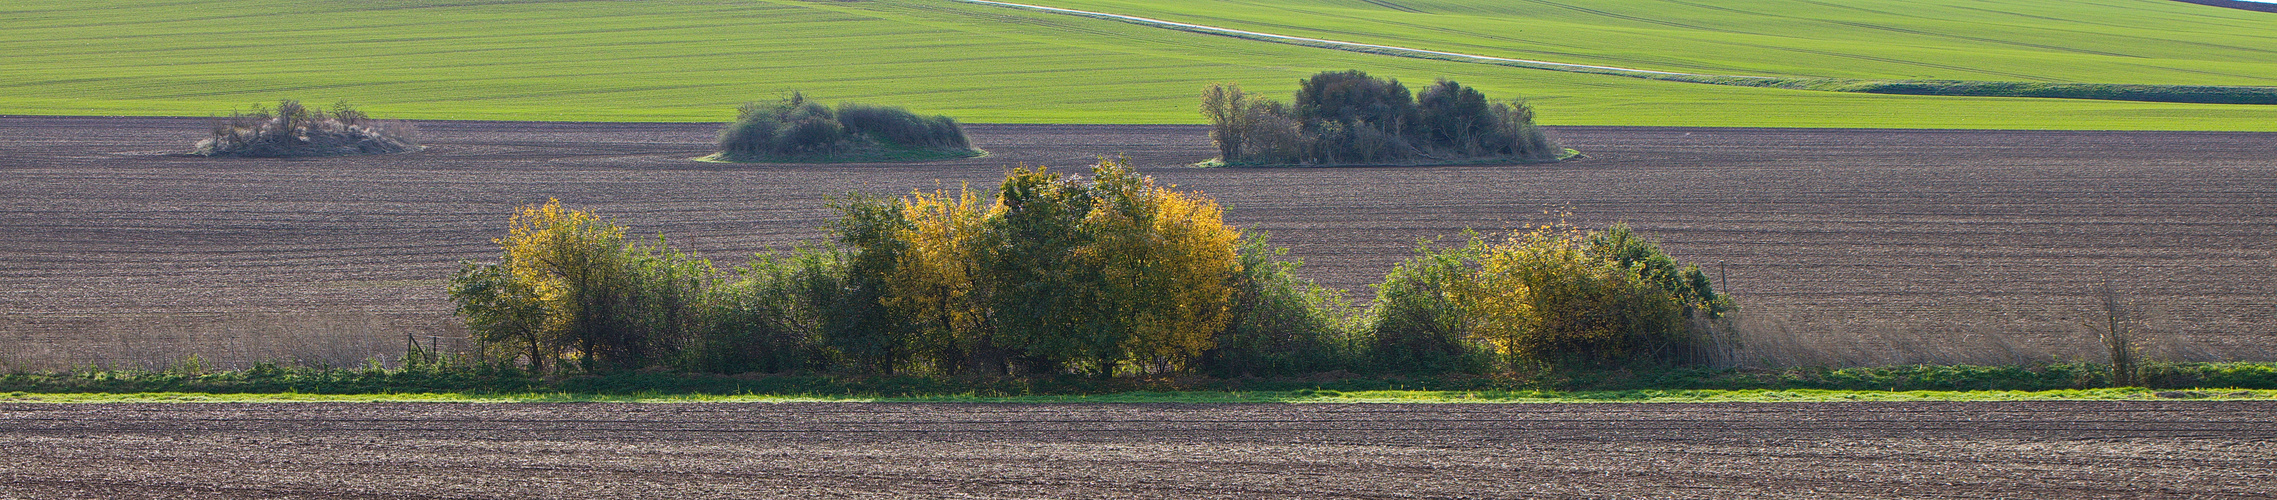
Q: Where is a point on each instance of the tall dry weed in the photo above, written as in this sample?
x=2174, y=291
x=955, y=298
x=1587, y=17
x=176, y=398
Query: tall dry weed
x=2064, y=329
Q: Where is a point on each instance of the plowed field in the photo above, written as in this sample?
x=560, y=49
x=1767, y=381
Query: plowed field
x=116, y=250
x=1856, y=450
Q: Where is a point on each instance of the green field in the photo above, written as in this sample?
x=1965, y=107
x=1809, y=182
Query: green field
x=2106, y=41
x=690, y=60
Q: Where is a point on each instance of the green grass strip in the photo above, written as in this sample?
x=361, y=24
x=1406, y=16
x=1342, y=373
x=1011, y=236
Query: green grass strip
x=2191, y=94
x=1275, y=397
x=2186, y=380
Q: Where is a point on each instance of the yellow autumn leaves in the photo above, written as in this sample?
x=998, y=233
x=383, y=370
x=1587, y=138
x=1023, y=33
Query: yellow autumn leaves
x=1054, y=273
x=1549, y=295
x=1551, y=292
x=568, y=285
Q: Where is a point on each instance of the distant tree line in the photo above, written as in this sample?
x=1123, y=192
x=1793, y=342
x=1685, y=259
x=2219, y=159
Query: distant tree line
x=1050, y=274
x=1348, y=117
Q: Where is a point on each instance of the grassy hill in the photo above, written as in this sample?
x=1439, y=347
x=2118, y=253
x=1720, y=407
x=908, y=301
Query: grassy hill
x=693, y=60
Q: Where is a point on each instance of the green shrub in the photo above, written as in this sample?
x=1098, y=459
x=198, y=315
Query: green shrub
x=1037, y=278
x=1420, y=322
x=771, y=317
x=296, y=130
x=899, y=126
x=505, y=316
x=2210, y=375
x=795, y=129
x=1282, y=324
x=1353, y=97
x=1459, y=122
x=1348, y=117
x=1688, y=285
x=860, y=328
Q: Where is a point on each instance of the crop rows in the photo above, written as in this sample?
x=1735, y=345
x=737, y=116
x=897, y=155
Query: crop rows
x=707, y=450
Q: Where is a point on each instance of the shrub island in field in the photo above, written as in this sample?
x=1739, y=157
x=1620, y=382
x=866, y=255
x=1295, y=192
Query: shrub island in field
x=1050, y=275
x=1350, y=118
x=294, y=130
x=797, y=130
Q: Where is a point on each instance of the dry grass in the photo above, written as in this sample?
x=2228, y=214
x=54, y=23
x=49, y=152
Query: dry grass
x=1763, y=336
x=218, y=341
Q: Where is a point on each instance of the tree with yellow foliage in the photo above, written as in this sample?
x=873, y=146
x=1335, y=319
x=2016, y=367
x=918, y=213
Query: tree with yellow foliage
x=1166, y=266
x=1554, y=294
x=568, y=283
x=1549, y=295
x=1058, y=274
x=935, y=286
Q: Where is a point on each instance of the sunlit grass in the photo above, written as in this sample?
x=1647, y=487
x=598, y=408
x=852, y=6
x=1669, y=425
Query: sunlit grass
x=2107, y=41
x=688, y=60
x=1306, y=396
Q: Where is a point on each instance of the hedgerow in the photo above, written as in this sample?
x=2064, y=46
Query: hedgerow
x=1049, y=275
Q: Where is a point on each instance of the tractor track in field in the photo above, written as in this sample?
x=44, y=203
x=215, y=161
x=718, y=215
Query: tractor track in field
x=2026, y=87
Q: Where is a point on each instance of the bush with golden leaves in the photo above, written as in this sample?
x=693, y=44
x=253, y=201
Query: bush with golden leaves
x=1555, y=294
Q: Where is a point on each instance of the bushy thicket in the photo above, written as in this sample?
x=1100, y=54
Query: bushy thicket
x=1348, y=117
x=1049, y=274
x=796, y=129
x=568, y=282
x=295, y=130
x=1550, y=296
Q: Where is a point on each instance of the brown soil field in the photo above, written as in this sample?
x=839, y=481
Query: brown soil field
x=1872, y=245
x=812, y=450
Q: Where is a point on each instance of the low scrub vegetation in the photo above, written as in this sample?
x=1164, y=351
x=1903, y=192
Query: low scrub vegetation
x=795, y=129
x=1348, y=117
x=1052, y=275
x=1556, y=295
x=293, y=130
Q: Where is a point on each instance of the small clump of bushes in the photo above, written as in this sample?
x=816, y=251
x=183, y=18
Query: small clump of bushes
x=1554, y=295
x=1350, y=118
x=294, y=130
x=1049, y=275
x=795, y=129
